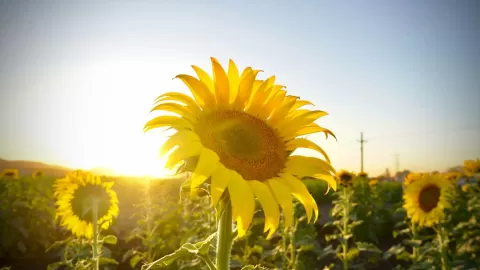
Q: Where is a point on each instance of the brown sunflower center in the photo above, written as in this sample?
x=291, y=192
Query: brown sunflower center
x=429, y=198
x=83, y=198
x=10, y=174
x=244, y=143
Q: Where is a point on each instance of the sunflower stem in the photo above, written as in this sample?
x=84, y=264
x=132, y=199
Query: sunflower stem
x=224, y=235
x=345, y=228
x=95, y=233
x=443, y=248
x=415, y=237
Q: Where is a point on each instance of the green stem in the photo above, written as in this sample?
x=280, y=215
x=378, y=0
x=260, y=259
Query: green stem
x=345, y=228
x=443, y=249
x=293, y=250
x=415, y=249
x=95, y=233
x=224, y=236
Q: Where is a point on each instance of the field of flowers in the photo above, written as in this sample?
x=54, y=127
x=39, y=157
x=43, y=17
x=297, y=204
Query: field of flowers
x=365, y=224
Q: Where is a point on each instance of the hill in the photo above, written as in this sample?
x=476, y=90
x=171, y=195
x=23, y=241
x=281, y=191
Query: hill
x=28, y=167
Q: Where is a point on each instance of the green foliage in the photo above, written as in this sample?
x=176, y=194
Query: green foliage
x=76, y=253
x=26, y=205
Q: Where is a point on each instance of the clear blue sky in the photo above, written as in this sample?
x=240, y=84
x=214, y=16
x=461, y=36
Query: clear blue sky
x=77, y=79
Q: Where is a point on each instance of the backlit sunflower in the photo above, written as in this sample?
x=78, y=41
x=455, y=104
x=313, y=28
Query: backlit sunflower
x=345, y=178
x=373, y=182
x=243, y=131
x=75, y=195
x=426, y=197
x=38, y=173
x=472, y=167
x=10, y=173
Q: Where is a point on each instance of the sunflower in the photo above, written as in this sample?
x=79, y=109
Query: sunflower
x=426, y=197
x=75, y=194
x=10, y=173
x=373, y=182
x=363, y=175
x=38, y=173
x=242, y=131
x=345, y=177
x=452, y=176
x=472, y=167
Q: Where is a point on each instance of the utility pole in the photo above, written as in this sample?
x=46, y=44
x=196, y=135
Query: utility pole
x=361, y=151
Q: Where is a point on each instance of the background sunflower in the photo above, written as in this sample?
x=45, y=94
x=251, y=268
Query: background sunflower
x=75, y=194
x=10, y=173
x=345, y=178
x=243, y=131
x=426, y=197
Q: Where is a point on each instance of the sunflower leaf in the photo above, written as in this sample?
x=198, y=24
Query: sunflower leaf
x=110, y=239
x=186, y=250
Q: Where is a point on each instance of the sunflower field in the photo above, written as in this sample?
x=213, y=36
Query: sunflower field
x=363, y=225
x=243, y=197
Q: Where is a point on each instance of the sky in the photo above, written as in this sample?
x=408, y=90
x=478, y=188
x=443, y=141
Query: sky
x=78, y=78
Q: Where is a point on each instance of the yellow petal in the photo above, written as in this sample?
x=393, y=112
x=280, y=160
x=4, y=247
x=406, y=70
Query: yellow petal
x=299, y=104
x=269, y=205
x=207, y=164
x=289, y=126
x=220, y=180
x=283, y=197
x=222, y=85
x=300, y=191
x=310, y=129
x=176, y=108
x=305, y=143
x=245, y=88
x=307, y=166
x=259, y=96
x=327, y=178
x=179, y=97
x=181, y=153
x=243, y=202
x=199, y=90
x=234, y=80
x=167, y=121
x=282, y=111
x=205, y=78
x=179, y=138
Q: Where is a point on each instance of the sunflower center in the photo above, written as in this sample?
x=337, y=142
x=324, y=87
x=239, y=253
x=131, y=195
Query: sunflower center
x=10, y=174
x=83, y=198
x=244, y=143
x=429, y=198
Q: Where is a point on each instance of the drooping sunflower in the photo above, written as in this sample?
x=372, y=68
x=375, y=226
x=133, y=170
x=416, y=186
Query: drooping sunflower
x=242, y=132
x=10, y=173
x=75, y=195
x=363, y=175
x=345, y=178
x=426, y=197
x=38, y=174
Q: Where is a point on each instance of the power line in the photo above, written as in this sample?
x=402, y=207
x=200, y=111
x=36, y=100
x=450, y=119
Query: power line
x=361, y=151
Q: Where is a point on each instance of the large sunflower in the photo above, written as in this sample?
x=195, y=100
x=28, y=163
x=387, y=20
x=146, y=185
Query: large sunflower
x=242, y=132
x=426, y=197
x=75, y=194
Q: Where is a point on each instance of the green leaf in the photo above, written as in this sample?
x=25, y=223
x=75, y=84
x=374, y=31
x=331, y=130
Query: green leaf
x=135, y=259
x=363, y=246
x=352, y=253
x=412, y=243
x=103, y=260
x=204, y=245
x=254, y=267
x=54, y=266
x=395, y=250
x=110, y=239
x=184, y=251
